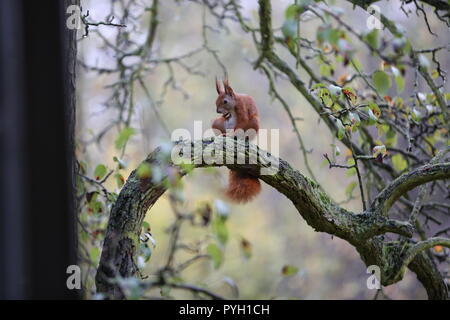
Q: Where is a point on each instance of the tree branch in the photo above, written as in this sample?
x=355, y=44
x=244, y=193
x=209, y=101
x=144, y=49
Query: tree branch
x=424, y=245
x=138, y=195
x=417, y=251
x=438, y=4
x=400, y=186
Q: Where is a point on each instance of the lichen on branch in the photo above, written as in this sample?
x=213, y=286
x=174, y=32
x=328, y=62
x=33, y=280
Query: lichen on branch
x=313, y=204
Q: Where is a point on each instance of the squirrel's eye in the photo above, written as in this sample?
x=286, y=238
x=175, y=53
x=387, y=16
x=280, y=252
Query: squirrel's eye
x=225, y=101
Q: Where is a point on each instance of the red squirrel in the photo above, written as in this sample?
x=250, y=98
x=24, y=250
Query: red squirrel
x=238, y=111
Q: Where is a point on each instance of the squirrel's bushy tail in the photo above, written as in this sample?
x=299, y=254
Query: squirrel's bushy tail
x=242, y=187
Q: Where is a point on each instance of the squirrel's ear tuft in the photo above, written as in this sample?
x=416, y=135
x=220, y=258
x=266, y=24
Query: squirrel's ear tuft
x=228, y=89
x=218, y=88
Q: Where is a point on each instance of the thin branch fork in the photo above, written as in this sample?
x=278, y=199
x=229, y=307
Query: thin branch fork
x=418, y=248
x=408, y=181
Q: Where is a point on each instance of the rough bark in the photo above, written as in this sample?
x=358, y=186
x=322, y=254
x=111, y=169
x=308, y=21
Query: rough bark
x=362, y=230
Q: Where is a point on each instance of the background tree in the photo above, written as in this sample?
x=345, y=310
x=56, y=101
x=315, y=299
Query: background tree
x=376, y=94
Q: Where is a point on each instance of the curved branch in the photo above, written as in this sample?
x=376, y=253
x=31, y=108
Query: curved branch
x=416, y=257
x=424, y=245
x=438, y=4
x=197, y=290
x=138, y=195
x=429, y=172
x=186, y=287
x=428, y=274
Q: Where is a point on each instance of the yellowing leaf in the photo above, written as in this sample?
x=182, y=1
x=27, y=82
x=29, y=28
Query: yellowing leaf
x=94, y=254
x=375, y=109
x=399, y=162
x=289, y=270
x=143, y=171
x=119, y=179
x=99, y=171
x=246, y=248
x=400, y=82
x=434, y=74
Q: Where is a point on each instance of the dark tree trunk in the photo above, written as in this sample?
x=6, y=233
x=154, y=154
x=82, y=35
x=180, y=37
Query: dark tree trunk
x=37, y=114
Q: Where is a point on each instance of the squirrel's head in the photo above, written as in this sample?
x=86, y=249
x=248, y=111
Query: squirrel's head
x=226, y=101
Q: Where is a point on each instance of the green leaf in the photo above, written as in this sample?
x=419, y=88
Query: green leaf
x=94, y=253
x=143, y=171
x=325, y=70
x=289, y=270
x=100, y=171
x=350, y=188
x=391, y=138
x=375, y=109
x=416, y=114
x=123, y=137
x=187, y=167
x=318, y=85
x=399, y=162
x=352, y=171
x=434, y=74
x=329, y=35
x=407, y=47
x=325, y=95
x=400, y=82
x=332, y=36
x=216, y=255
x=293, y=11
x=372, y=39
x=95, y=207
x=341, y=129
x=220, y=230
x=381, y=81
x=145, y=225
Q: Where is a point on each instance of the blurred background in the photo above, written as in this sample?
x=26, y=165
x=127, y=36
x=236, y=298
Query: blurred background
x=276, y=235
